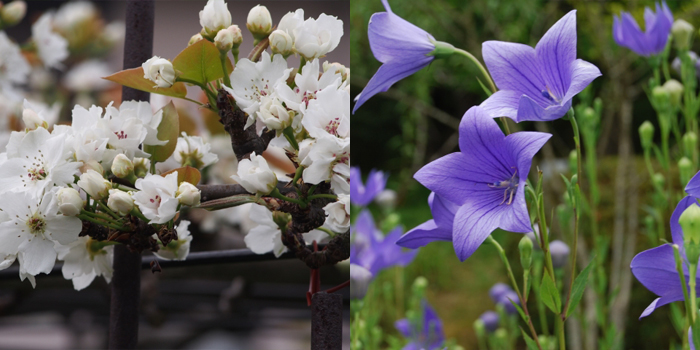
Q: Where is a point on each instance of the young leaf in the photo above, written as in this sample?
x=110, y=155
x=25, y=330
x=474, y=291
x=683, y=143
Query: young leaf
x=520, y=310
x=201, y=62
x=134, y=79
x=188, y=174
x=579, y=286
x=168, y=130
x=531, y=345
x=550, y=294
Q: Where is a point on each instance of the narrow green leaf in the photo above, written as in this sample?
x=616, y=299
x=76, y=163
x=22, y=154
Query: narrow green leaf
x=134, y=79
x=531, y=345
x=520, y=310
x=579, y=286
x=201, y=62
x=550, y=294
x=168, y=130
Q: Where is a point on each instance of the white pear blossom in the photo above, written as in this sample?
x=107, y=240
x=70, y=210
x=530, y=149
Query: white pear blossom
x=255, y=175
x=274, y=114
x=156, y=198
x=13, y=12
x=121, y=202
x=281, y=42
x=14, y=68
x=337, y=68
x=194, y=39
x=214, y=17
x=122, y=166
x=69, y=201
x=46, y=113
x=317, y=37
x=291, y=21
x=94, y=184
x=143, y=111
x=308, y=83
x=328, y=157
x=39, y=162
x=160, y=71
x=259, y=21
x=33, y=228
x=73, y=14
x=87, y=76
x=32, y=120
x=224, y=40
x=328, y=113
x=193, y=151
x=265, y=237
x=85, y=259
x=52, y=48
x=250, y=81
x=188, y=194
x=177, y=249
x=338, y=214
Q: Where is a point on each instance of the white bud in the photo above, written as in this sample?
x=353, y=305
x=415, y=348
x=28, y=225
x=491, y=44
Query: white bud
x=120, y=201
x=338, y=214
x=214, y=17
x=237, y=35
x=13, y=13
x=92, y=165
x=195, y=38
x=274, y=114
x=255, y=175
x=224, y=40
x=94, y=184
x=122, y=166
x=33, y=121
x=188, y=194
x=69, y=201
x=281, y=43
x=386, y=199
x=338, y=68
x=160, y=71
x=259, y=22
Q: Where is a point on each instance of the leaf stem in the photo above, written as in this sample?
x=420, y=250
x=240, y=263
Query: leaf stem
x=577, y=191
x=103, y=223
x=481, y=67
x=276, y=194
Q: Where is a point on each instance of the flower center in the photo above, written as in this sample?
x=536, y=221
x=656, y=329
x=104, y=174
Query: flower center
x=156, y=200
x=332, y=126
x=36, y=224
x=121, y=135
x=37, y=174
x=510, y=186
x=547, y=93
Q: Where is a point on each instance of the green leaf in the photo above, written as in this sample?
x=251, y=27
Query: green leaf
x=696, y=333
x=550, y=294
x=579, y=286
x=134, y=79
x=186, y=174
x=168, y=130
x=201, y=62
x=531, y=345
x=520, y=310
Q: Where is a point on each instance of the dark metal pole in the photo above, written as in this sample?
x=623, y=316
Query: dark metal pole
x=326, y=321
x=126, y=281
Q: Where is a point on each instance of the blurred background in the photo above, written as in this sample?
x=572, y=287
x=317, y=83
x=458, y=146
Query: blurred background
x=259, y=305
x=416, y=122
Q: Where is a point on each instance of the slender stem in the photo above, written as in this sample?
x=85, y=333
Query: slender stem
x=103, y=223
x=101, y=216
x=329, y=232
x=224, y=57
x=289, y=135
x=577, y=141
x=481, y=67
x=193, y=101
x=523, y=302
x=681, y=274
x=693, y=269
x=560, y=332
x=276, y=194
x=329, y=196
x=138, y=214
x=297, y=175
x=108, y=211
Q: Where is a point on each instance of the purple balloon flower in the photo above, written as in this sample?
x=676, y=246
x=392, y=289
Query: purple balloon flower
x=505, y=301
x=693, y=186
x=627, y=33
x=490, y=319
x=361, y=194
x=537, y=83
x=373, y=251
x=402, y=47
x=486, y=181
x=427, y=335
x=656, y=268
x=439, y=228
x=498, y=290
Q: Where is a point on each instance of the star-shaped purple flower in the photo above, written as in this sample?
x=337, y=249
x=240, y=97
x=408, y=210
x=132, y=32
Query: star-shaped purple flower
x=373, y=251
x=537, y=83
x=363, y=194
x=402, y=47
x=627, y=33
x=485, y=180
x=439, y=228
x=428, y=335
x=656, y=268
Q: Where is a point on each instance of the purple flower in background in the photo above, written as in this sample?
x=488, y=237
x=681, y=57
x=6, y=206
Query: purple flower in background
x=439, y=228
x=373, y=251
x=627, y=33
x=363, y=194
x=486, y=180
x=490, y=319
x=402, y=47
x=537, y=83
x=656, y=268
x=505, y=301
x=427, y=335
x=560, y=253
x=693, y=186
x=498, y=290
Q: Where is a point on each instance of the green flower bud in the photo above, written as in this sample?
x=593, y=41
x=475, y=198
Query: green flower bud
x=589, y=117
x=419, y=286
x=661, y=98
x=573, y=162
x=501, y=337
x=658, y=180
x=525, y=247
x=479, y=328
x=13, y=13
x=686, y=170
x=690, y=222
x=646, y=134
x=442, y=49
x=682, y=34
x=690, y=143
x=675, y=91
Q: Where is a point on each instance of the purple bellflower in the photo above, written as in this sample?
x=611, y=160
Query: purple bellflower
x=373, y=251
x=656, y=268
x=363, y=194
x=498, y=290
x=427, y=335
x=485, y=181
x=439, y=228
x=507, y=299
x=402, y=47
x=491, y=320
x=627, y=33
x=537, y=83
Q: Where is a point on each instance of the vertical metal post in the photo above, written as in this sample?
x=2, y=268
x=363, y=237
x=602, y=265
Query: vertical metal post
x=126, y=281
x=326, y=321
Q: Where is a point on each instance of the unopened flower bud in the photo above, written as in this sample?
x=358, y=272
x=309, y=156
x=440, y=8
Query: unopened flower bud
x=194, y=39
x=420, y=284
x=560, y=253
x=13, y=13
x=214, y=17
x=69, y=201
x=480, y=330
x=237, y=35
x=525, y=247
x=121, y=202
x=682, y=34
x=675, y=91
x=94, y=184
x=360, y=278
x=386, y=199
x=122, y=166
x=690, y=143
x=33, y=121
x=141, y=166
x=490, y=320
x=188, y=194
x=338, y=68
x=259, y=22
x=646, y=134
x=661, y=97
x=658, y=180
x=690, y=222
x=500, y=339
x=224, y=40
x=92, y=165
x=686, y=170
x=281, y=43
x=160, y=71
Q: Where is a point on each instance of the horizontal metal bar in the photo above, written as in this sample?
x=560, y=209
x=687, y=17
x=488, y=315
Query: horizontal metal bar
x=193, y=259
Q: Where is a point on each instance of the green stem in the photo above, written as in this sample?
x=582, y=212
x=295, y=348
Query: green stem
x=577, y=141
x=481, y=67
x=692, y=270
x=316, y=196
x=329, y=232
x=276, y=194
x=138, y=214
x=297, y=175
x=681, y=274
x=96, y=221
x=224, y=57
x=108, y=211
x=289, y=135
